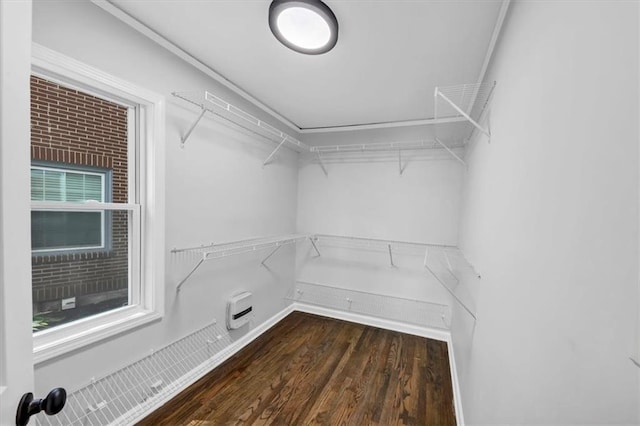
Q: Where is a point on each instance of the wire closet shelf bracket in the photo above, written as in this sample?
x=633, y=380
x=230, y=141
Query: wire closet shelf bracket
x=438, y=260
x=468, y=101
x=220, y=250
x=208, y=102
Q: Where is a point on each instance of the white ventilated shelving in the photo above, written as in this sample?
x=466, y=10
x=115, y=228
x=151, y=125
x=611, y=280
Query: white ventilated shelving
x=126, y=395
x=208, y=102
x=402, y=148
x=465, y=101
x=468, y=101
x=377, y=146
x=408, y=311
x=445, y=263
x=215, y=251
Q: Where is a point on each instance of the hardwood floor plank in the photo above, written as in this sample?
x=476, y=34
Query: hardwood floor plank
x=390, y=413
x=370, y=407
x=327, y=409
x=409, y=384
x=309, y=370
x=310, y=388
x=269, y=374
x=439, y=389
x=317, y=413
x=351, y=398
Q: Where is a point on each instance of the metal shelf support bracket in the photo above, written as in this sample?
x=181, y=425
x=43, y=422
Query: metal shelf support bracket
x=452, y=294
x=446, y=257
x=183, y=139
x=314, y=246
x=274, y=152
x=451, y=152
x=270, y=254
x=322, y=164
x=462, y=113
x=190, y=273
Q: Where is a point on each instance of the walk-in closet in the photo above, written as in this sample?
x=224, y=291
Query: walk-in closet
x=297, y=212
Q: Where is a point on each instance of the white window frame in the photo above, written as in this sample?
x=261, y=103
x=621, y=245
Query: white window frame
x=146, y=212
x=104, y=246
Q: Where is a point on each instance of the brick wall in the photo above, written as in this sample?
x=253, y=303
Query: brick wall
x=72, y=127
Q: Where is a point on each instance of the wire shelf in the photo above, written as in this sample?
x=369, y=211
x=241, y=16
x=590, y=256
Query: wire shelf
x=380, y=146
x=446, y=263
x=129, y=393
x=209, y=102
x=218, y=251
x=416, y=312
x=472, y=99
x=396, y=246
x=468, y=101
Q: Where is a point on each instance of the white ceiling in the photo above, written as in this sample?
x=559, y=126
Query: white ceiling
x=389, y=58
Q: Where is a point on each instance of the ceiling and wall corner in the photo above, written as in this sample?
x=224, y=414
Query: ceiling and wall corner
x=383, y=72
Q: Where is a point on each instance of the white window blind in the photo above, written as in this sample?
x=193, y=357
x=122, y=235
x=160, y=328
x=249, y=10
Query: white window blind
x=56, y=231
x=48, y=184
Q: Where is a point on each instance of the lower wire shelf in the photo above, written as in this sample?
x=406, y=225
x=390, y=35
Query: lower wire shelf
x=409, y=311
x=124, y=396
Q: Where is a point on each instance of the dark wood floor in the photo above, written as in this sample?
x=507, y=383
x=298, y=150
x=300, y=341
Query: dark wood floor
x=309, y=369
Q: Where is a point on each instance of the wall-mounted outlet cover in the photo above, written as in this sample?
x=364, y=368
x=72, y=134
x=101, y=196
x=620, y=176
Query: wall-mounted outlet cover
x=69, y=303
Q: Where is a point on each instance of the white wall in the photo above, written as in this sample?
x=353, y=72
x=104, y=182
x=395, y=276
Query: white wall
x=370, y=198
x=216, y=190
x=550, y=216
x=364, y=195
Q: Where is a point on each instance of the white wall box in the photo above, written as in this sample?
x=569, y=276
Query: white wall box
x=470, y=174
x=239, y=309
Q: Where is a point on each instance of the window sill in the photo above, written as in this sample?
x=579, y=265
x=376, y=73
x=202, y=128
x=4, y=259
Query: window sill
x=49, y=344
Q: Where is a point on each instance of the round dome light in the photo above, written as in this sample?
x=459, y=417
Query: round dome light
x=306, y=26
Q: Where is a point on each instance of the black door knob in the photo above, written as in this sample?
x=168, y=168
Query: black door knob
x=54, y=402
x=51, y=404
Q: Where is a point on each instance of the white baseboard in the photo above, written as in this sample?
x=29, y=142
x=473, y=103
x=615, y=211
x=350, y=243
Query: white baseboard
x=238, y=345
x=431, y=333
x=457, y=397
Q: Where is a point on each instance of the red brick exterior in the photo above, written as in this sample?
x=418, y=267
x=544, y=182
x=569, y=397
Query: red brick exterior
x=72, y=127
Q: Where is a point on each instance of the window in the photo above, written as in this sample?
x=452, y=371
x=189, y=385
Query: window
x=53, y=231
x=97, y=220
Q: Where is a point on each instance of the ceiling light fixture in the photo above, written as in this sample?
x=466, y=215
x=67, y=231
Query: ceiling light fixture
x=306, y=26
